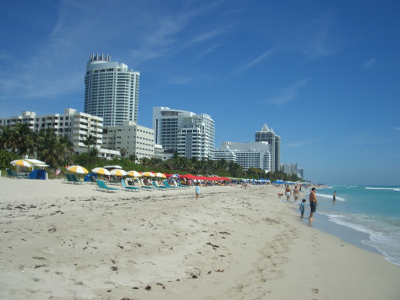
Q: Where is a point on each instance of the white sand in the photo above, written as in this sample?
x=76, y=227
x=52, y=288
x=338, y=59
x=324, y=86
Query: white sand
x=62, y=241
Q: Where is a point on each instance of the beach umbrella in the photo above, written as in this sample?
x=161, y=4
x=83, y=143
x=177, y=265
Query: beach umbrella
x=118, y=172
x=175, y=176
x=147, y=174
x=77, y=169
x=21, y=163
x=101, y=171
x=160, y=175
x=133, y=174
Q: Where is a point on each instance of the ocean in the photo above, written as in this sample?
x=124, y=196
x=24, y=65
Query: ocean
x=373, y=211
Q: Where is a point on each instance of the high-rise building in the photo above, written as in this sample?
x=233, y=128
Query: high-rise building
x=72, y=124
x=184, y=132
x=289, y=169
x=111, y=91
x=135, y=139
x=247, y=155
x=268, y=135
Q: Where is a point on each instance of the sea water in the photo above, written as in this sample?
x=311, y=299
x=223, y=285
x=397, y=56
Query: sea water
x=374, y=210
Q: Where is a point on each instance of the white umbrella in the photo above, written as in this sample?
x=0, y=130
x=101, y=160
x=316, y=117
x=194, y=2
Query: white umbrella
x=133, y=174
x=101, y=171
x=21, y=163
x=147, y=174
x=160, y=175
x=118, y=172
x=78, y=169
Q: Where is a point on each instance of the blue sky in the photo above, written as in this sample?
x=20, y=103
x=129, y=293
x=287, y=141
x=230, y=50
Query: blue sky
x=323, y=74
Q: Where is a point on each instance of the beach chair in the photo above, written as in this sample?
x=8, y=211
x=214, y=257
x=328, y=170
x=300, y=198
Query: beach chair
x=102, y=187
x=17, y=175
x=10, y=174
x=159, y=187
x=74, y=178
x=146, y=187
x=71, y=179
x=170, y=186
x=129, y=188
x=92, y=179
x=183, y=186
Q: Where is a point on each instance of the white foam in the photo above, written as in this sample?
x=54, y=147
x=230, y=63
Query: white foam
x=386, y=243
x=376, y=188
x=330, y=197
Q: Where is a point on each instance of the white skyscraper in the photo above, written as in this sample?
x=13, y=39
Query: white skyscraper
x=247, y=155
x=111, y=91
x=184, y=132
x=268, y=135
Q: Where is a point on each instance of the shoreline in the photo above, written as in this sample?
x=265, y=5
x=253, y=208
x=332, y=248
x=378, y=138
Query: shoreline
x=62, y=241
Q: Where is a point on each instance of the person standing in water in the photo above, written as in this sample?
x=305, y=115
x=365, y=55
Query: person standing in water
x=313, y=203
x=334, y=196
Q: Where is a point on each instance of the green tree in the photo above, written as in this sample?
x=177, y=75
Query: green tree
x=22, y=139
x=123, y=152
x=88, y=142
x=5, y=137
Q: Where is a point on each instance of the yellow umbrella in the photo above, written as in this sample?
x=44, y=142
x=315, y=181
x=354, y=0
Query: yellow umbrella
x=160, y=175
x=78, y=169
x=101, y=171
x=118, y=172
x=133, y=174
x=21, y=163
x=147, y=174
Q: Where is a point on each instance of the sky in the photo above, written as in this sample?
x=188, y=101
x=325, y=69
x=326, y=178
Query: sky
x=324, y=75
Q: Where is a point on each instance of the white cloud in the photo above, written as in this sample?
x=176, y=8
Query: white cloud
x=288, y=94
x=369, y=64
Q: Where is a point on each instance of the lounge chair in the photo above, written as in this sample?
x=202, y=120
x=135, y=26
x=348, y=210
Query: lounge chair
x=18, y=176
x=146, y=187
x=159, y=187
x=92, y=179
x=10, y=174
x=102, y=187
x=170, y=186
x=129, y=188
x=71, y=179
x=183, y=186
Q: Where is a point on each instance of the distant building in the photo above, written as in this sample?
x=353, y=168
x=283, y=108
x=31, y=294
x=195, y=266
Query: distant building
x=184, y=132
x=111, y=91
x=136, y=139
x=247, y=155
x=289, y=168
x=268, y=135
x=158, y=151
x=300, y=173
x=72, y=124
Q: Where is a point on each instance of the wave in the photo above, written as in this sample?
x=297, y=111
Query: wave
x=330, y=197
x=353, y=186
x=387, y=240
x=383, y=188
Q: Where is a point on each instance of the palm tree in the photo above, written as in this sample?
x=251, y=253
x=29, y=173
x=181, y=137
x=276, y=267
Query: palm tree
x=5, y=137
x=22, y=139
x=123, y=152
x=53, y=149
x=88, y=142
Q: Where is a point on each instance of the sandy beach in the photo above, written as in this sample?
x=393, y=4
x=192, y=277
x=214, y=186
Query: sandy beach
x=63, y=241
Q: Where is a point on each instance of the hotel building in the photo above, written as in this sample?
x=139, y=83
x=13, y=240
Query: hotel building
x=72, y=124
x=268, y=135
x=289, y=168
x=247, y=155
x=184, y=132
x=111, y=91
x=136, y=139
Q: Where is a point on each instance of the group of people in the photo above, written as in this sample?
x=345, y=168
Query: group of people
x=313, y=204
x=288, y=193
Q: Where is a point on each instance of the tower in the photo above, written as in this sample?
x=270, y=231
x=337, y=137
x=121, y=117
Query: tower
x=111, y=91
x=268, y=135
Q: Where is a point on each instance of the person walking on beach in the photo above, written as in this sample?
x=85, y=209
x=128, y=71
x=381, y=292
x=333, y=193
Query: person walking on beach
x=313, y=203
x=288, y=192
x=301, y=208
x=197, y=188
x=334, y=196
x=296, y=194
